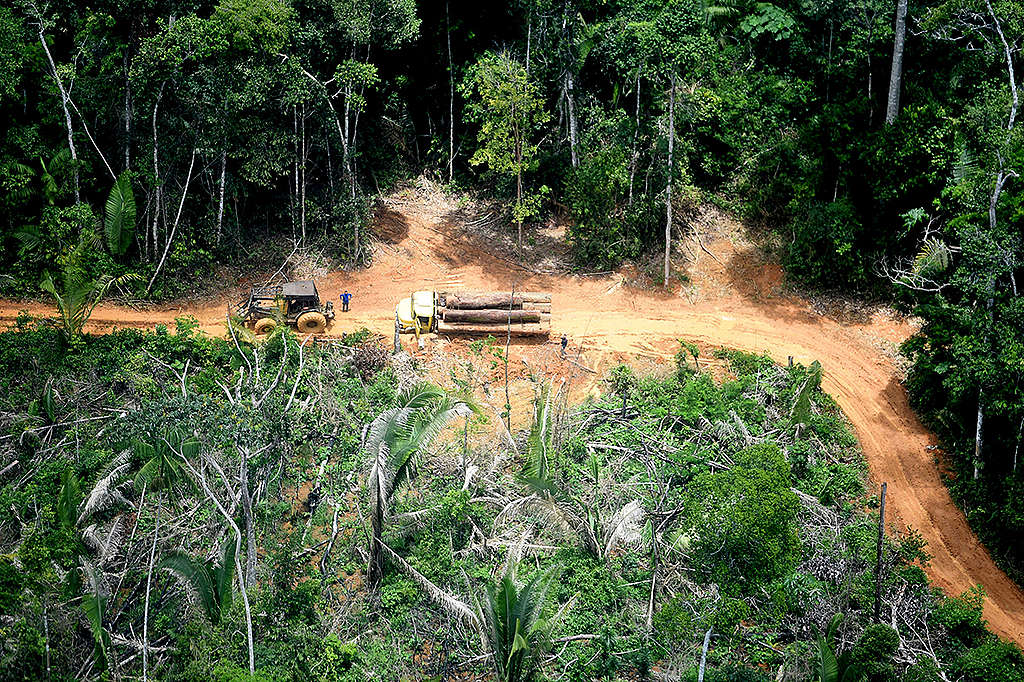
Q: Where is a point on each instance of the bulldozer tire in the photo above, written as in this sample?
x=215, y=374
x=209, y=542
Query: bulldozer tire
x=264, y=325
x=311, y=323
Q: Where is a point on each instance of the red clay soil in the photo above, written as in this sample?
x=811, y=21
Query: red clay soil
x=733, y=300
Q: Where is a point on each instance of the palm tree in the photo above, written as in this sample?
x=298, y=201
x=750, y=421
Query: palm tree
x=211, y=582
x=78, y=295
x=515, y=632
x=163, y=470
x=718, y=16
x=163, y=467
x=556, y=509
x=392, y=441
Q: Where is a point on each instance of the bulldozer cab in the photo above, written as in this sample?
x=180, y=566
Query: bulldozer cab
x=299, y=296
x=416, y=313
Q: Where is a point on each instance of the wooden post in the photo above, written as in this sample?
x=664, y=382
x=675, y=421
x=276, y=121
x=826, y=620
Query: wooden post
x=398, y=344
x=508, y=342
x=878, y=557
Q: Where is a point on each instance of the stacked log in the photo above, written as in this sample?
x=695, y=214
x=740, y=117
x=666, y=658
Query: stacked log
x=482, y=301
x=494, y=312
x=486, y=316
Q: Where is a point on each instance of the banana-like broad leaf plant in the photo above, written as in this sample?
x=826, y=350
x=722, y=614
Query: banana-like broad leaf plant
x=831, y=667
x=119, y=226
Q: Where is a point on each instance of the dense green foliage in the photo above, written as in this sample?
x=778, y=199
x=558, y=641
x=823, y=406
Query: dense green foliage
x=237, y=121
x=164, y=494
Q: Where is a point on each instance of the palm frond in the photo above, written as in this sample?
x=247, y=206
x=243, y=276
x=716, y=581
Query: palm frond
x=196, y=576
x=965, y=165
x=933, y=257
x=625, y=527
x=539, y=441
x=104, y=544
x=112, y=542
x=119, y=228
x=424, y=427
x=105, y=493
x=91, y=538
x=224, y=575
x=513, y=626
x=94, y=604
x=559, y=517
x=162, y=466
x=801, y=412
x=381, y=482
x=69, y=499
x=30, y=237
x=420, y=394
x=454, y=606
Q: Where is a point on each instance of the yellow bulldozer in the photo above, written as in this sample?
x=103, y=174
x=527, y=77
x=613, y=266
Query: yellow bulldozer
x=467, y=312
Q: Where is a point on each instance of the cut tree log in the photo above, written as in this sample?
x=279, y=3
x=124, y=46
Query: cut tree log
x=540, y=307
x=524, y=296
x=482, y=301
x=491, y=316
x=528, y=329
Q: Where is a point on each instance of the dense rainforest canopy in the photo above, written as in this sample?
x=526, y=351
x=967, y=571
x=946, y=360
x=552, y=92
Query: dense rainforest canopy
x=875, y=146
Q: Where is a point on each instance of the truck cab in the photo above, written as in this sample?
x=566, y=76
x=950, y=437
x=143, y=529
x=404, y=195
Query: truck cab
x=416, y=313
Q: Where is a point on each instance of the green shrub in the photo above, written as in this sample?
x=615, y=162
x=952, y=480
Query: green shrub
x=991, y=662
x=742, y=520
x=872, y=656
x=961, y=617
x=335, y=659
x=924, y=670
x=736, y=673
x=675, y=620
x=11, y=583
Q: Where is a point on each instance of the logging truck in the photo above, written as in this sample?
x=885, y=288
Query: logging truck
x=488, y=312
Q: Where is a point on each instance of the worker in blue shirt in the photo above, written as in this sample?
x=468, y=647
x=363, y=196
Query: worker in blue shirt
x=345, y=298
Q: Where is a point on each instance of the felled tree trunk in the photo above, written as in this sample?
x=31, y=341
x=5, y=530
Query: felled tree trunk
x=491, y=316
x=481, y=301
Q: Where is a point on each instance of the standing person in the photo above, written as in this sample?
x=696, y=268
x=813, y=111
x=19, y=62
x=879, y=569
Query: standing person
x=345, y=298
x=565, y=344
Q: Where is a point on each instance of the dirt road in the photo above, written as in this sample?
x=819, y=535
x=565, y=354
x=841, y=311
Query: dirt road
x=733, y=300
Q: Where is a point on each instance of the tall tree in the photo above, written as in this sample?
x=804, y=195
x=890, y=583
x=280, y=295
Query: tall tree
x=507, y=104
x=892, y=109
